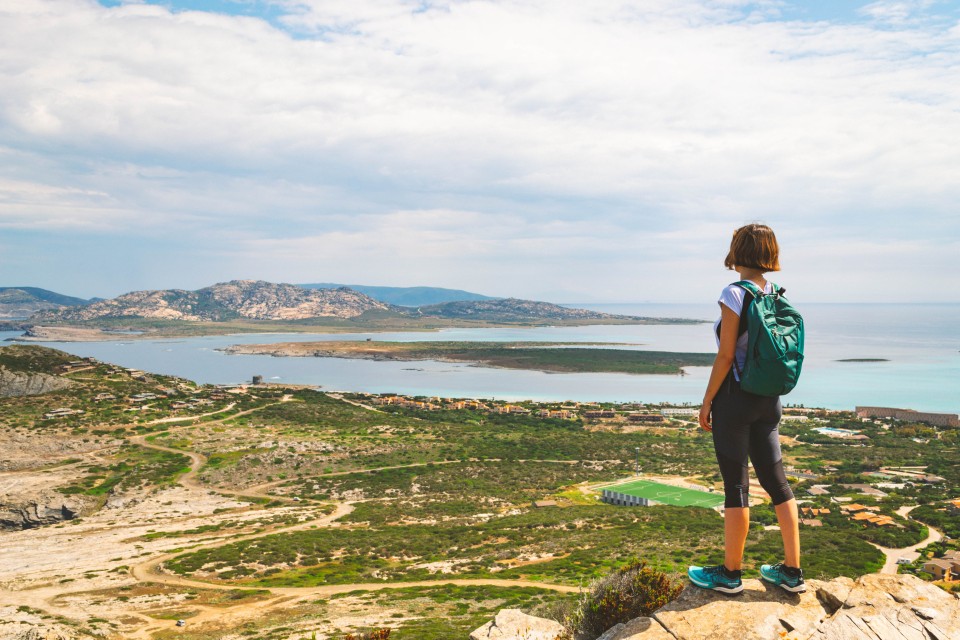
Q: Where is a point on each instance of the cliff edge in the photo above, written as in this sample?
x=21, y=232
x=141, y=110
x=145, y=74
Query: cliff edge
x=873, y=607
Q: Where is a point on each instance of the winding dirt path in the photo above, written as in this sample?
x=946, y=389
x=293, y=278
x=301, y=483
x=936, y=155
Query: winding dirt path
x=49, y=597
x=149, y=570
x=890, y=566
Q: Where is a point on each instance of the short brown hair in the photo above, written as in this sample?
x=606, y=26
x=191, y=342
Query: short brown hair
x=754, y=246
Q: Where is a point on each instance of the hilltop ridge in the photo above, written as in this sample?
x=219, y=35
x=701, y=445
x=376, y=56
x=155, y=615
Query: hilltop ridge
x=22, y=302
x=250, y=299
x=260, y=301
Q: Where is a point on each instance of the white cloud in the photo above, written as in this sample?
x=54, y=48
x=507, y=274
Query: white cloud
x=898, y=11
x=555, y=137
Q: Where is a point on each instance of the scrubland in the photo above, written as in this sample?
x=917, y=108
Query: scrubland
x=281, y=513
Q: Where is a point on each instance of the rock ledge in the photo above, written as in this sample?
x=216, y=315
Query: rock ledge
x=874, y=607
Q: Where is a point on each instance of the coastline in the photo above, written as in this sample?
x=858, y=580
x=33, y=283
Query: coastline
x=142, y=329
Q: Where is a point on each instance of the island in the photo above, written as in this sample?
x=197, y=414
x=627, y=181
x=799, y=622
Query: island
x=554, y=357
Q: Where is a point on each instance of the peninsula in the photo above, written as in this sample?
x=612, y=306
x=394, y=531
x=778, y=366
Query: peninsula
x=555, y=357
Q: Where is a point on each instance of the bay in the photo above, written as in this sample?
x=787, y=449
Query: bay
x=919, y=344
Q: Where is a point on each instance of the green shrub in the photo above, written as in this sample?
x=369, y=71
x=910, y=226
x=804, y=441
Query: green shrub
x=631, y=591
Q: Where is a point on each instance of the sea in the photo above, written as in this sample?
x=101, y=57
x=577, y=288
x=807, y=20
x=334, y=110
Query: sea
x=915, y=350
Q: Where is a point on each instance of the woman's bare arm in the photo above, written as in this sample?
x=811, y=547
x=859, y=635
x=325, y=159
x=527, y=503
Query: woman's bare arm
x=729, y=328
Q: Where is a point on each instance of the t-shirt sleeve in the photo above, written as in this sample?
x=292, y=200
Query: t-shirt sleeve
x=732, y=298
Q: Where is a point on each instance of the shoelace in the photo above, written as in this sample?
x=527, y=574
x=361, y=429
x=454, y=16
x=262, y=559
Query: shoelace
x=716, y=571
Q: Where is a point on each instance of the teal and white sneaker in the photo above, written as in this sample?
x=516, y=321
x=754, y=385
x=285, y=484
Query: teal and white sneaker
x=716, y=578
x=787, y=577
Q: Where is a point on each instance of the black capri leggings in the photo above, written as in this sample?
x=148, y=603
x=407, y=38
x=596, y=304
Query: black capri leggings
x=745, y=425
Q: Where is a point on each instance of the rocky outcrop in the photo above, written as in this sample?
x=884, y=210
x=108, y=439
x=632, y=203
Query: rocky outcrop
x=24, y=383
x=512, y=624
x=251, y=299
x=38, y=513
x=510, y=309
x=874, y=607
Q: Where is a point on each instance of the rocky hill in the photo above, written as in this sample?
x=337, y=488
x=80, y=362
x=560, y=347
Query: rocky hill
x=22, y=302
x=28, y=371
x=258, y=300
x=250, y=299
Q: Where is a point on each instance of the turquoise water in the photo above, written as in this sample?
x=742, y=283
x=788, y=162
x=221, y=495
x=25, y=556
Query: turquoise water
x=920, y=344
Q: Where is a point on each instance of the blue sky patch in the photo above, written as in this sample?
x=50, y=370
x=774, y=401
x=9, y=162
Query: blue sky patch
x=257, y=8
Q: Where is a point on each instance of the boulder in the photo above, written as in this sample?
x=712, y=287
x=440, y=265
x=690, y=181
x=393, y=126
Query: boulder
x=513, y=624
x=39, y=512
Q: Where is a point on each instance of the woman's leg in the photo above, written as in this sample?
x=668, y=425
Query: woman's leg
x=736, y=525
x=768, y=464
x=790, y=530
x=732, y=412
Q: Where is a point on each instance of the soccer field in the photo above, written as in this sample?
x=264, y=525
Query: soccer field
x=666, y=494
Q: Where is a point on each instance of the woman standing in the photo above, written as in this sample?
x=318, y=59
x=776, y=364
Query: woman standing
x=744, y=426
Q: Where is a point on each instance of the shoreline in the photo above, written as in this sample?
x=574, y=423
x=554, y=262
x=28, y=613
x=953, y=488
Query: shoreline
x=147, y=331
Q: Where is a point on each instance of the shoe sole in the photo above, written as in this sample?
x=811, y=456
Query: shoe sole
x=800, y=588
x=727, y=590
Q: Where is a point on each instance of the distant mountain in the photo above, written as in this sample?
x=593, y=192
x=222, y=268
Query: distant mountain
x=22, y=302
x=251, y=299
x=259, y=300
x=510, y=310
x=406, y=296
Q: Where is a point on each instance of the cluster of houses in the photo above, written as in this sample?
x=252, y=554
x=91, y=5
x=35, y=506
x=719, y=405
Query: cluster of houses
x=810, y=516
x=867, y=515
x=633, y=413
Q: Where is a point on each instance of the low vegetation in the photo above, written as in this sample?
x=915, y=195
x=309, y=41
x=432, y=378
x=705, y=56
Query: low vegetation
x=627, y=592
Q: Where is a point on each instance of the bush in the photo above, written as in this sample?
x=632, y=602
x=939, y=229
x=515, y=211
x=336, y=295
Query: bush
x=632, y=591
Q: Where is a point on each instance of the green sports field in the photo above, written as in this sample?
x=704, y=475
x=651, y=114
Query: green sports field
x=666, y=494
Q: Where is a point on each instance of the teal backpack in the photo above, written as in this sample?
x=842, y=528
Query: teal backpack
x=774, y=342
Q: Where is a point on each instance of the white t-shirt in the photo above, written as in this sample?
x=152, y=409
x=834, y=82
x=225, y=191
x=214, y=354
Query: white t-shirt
x=732, y=296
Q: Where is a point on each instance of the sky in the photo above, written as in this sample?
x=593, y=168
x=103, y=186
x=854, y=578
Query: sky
x=556, y=150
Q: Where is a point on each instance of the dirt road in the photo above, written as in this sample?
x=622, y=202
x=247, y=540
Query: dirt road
x=890, y=566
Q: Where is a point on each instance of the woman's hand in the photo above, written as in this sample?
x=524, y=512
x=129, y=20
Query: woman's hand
x=705, y=416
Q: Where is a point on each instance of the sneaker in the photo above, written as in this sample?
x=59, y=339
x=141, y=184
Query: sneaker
x=714, y=578
x=777, y=574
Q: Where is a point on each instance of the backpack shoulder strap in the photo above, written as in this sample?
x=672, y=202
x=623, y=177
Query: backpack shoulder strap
x=748, y=295
x=751, y=288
